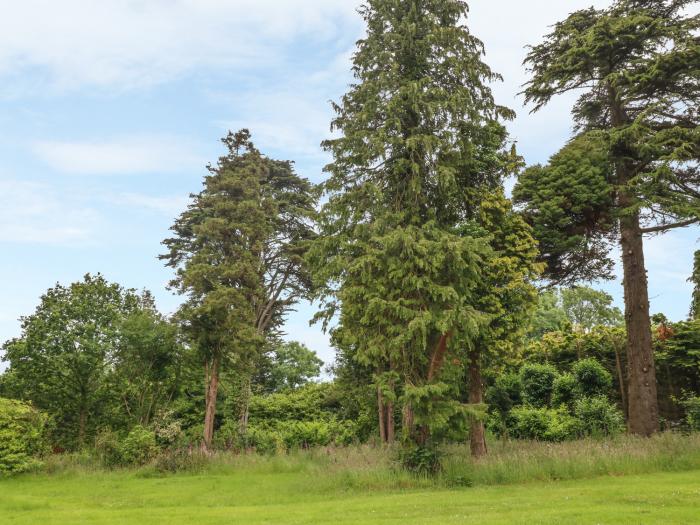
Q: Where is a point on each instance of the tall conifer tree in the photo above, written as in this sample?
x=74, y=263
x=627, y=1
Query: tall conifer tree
x=401, y=253
x=632, y=171
x=238, y=252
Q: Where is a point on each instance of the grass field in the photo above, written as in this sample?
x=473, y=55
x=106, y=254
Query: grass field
x=547, y=484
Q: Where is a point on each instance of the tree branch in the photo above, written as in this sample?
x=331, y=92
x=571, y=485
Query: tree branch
x=666, y=227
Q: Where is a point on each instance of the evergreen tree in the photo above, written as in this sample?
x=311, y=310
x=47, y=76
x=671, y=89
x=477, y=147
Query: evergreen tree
x=401, y=252
x=238, y=253
x=633, y=169
x=508, y=297
x=695, y=280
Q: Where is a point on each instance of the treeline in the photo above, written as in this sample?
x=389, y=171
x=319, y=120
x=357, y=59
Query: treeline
x=425, y=273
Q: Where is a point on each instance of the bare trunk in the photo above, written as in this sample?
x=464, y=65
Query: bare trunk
x=643, y=405
x=381, y=413
x=643, y=417
x=477, y=434
x=621, y=380
x=212, y=389
x=390, y=424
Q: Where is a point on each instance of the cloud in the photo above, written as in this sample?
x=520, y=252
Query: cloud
x=35, y=213
x=169, y=205
x=130, y=155
x=122, y=44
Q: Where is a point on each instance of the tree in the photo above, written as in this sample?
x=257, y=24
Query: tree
x=400, y=252
x=63, y=358
x=290, y=366
x=695, y=280
x=508, y=297
x=548, y=316
x=238, y=253
x=587, y=308
x=146, y=364
x=632, y=170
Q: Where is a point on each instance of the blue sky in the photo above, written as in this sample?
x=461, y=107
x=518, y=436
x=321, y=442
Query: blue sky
x=110, y=110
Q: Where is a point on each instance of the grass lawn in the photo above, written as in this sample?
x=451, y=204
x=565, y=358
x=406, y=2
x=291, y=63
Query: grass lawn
x=277, y=497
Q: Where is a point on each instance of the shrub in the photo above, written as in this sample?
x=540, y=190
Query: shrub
x=537, y=382
x=108, y=449
x=564, y=390
x=692, y=412
x=425, y=460
x=22, y=436
x=544, y=424
x=592, y=378
x=137, y=448
x=598, y=417
x=505, y=393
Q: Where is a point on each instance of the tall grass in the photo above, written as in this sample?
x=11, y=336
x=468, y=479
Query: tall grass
x=368, y=469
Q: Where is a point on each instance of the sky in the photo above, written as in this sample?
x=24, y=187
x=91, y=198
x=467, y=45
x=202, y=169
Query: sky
x=110, y=111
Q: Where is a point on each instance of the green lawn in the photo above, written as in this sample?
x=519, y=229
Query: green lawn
x=248, y=497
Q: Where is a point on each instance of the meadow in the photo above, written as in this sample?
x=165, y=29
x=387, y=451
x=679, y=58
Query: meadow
x=625, y=480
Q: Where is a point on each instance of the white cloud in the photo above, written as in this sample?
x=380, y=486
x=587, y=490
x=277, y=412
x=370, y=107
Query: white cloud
x=130, y=155
x=35, y=213
x=168, y=205
x=120, y=44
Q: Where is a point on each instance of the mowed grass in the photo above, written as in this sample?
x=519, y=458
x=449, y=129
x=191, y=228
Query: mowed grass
x=624, y=481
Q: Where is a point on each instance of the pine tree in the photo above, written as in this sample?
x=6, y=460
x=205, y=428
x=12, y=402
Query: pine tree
x=632, y=171
x=400, y=254
x=238, y=253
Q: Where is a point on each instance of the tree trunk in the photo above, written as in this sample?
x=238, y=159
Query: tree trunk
x=381, y=413
x=621, y=380
x=477, y=434
x=643, y=417
x=212, y=389
x=390, y=424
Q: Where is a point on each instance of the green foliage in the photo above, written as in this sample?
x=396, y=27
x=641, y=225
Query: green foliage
x=695, y=280
x=137, y=447
x=639, y=138
x=587, y=308
x=692, y=412
x=290, y=366
x=23, y=436
x=568, y=202
x=544, y=424
x=423, y=460
x=591, y=378
x=401, y=253
x=548, y=316
x=64, y=361
x=598, y=417
x=565, y=390
x=537, y=382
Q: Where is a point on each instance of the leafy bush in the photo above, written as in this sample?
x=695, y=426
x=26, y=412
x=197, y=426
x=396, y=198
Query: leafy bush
x=592, y=378
x=137, y=448
x=505, y=393
x=564, y=390
x=598, y=417
x=421, y=460
x=544, y=424
x=692, y=412
x=22, y=436
x=537, y=382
